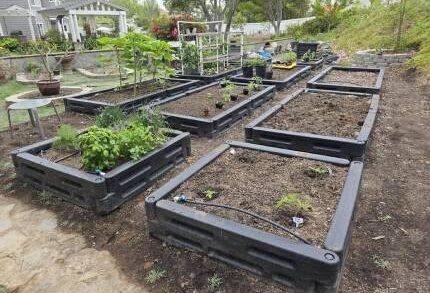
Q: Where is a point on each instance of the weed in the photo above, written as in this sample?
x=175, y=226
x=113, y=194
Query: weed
x=385, y=218
x=154, y=275
x=380, y=262
x=294, y=203
x=210, y=193
x=214, y=282
x=316, y=171
x=67, y=138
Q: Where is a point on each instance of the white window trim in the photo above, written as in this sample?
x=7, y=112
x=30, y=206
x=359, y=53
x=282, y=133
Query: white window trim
x=37, y=3
x=41, y=28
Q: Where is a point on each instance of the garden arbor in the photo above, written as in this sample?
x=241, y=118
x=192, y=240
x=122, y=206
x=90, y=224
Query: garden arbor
x=67, y=16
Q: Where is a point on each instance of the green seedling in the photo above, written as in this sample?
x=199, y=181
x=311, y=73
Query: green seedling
x=380, y=262
x=214, y=282
x=293, y=200
x=154, y=275
x=67, y=139
x=316, y=171
x=210, y=193
x=380, y=290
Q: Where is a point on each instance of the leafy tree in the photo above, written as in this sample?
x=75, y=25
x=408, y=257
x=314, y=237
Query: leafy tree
x=144, y=12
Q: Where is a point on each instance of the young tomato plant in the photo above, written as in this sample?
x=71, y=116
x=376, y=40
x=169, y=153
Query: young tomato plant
x=293, y=204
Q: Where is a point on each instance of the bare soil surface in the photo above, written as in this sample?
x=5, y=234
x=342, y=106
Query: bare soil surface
x=127, y=93
x=354, y=78
x=392, y=220
x=255, y=181
x=196, y=103
x=322, y=113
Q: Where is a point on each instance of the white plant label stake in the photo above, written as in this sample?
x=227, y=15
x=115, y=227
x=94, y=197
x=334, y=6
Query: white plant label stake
x=298, y=221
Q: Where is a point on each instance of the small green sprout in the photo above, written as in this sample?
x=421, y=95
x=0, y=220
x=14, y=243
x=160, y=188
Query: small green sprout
x=293, y=200
x=214, y=282
x=154, y=275
x=380, y=262
x=316, y=171
x=210, y=193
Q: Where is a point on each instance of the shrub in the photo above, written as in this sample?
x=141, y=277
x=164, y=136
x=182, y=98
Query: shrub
x=54, y=37
x=4, y=52
x=10, y=44
x=91, y=43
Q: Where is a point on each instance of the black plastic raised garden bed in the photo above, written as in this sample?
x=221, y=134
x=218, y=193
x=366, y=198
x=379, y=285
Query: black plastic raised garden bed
x=290, y=262
x=313, y=143
x=314, y=64
x=303, y=47
x=206, y=79
x=318, y=83
x=209, y=127
x=105, y=193
x=81, y=103
x=280, y=84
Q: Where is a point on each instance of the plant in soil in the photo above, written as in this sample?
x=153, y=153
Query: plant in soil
x=310, y=56
x=219, y=104
x=380, y=262
x=317, y=171
x=255, y=84
x=210, y=193
x=288, y=58
x=190, y=58
x=34, y=69
x=112, y=116
x=214, y=282
x=293, y=204
x=116, y=45
x=154, y=276
x=67, y=139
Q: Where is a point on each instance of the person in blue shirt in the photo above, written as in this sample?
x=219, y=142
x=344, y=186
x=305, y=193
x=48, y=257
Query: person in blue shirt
x=266, y=51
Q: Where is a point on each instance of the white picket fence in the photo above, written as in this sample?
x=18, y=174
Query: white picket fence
x=266, y=28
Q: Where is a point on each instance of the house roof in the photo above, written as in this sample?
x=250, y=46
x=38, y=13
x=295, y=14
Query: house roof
x=80, y=3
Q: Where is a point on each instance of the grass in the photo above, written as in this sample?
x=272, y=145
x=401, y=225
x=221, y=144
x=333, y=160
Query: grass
x=13, y=87
x=376, y=27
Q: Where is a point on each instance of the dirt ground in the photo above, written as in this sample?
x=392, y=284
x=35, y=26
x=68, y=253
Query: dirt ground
x=389, y=250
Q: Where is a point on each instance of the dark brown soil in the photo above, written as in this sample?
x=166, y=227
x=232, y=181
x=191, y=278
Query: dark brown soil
x=353, y=78
x=63, y=92
x=195, y=104
x=282, y=74
x=67, y=158
x=255, y=181
x=322, y=113
x=127, y=93
x=395, y=184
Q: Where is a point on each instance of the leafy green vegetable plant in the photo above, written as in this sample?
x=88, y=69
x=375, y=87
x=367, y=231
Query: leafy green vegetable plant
x=67, y=139
x=288, y=57
x=100, y=148
x=190, y=58
x=210, y=193
x=255, y=83
x=310, y=56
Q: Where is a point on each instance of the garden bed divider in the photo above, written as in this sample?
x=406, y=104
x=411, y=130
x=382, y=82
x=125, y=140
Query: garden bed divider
x=317, y=83
x=105, y=193
x=348, y=148
x=289, y=262
x=280, y=84
x=78, y=103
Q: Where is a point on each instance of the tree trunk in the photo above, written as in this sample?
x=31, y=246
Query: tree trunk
x=230, y=9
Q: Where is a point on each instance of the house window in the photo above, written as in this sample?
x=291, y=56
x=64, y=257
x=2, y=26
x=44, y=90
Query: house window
x=35, y=3
x=40, y=28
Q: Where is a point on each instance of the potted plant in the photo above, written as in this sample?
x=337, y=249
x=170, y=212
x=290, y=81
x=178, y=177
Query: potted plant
x=190, y=59
x=248, y=68
x=49, y=86
x=260, y=67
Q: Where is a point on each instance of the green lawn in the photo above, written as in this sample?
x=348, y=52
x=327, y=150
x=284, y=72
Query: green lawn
x=13, y=87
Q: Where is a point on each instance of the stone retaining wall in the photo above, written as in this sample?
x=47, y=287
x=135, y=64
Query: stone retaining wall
x=371, y=58
x=82, y=60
